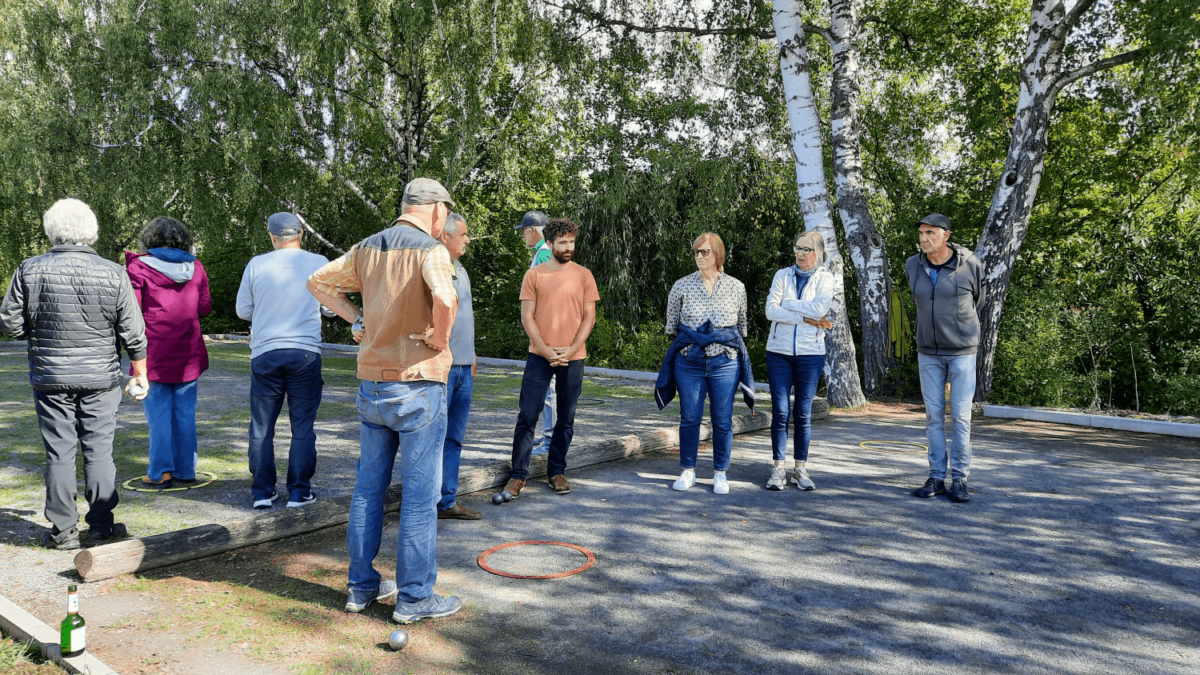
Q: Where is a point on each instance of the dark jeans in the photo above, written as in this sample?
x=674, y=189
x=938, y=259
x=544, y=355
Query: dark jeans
x=459, y=387
x=715, y=377
x=568, y=381
x=295, y=374
x=783, y=373
x=87, y=419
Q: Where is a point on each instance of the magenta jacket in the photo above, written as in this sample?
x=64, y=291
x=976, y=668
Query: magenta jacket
x=172, y=310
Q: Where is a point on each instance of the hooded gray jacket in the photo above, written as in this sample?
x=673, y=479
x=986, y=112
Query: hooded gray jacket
x=947, y=315
x=78, y=310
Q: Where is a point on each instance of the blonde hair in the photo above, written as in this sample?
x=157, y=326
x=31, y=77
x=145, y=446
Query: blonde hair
x=818, y=244
x=718, y=247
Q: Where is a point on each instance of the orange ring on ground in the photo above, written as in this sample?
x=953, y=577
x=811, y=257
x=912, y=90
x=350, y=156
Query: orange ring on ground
x=591, y=560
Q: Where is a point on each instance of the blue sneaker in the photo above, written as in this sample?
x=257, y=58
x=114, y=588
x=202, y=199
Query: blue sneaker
x=542, y=447
x=434, y=607
x=357, y=601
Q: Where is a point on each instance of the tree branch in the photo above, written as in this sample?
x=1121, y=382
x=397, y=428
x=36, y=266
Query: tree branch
x=1092, y=68
x=905, y=38
x=600, y=18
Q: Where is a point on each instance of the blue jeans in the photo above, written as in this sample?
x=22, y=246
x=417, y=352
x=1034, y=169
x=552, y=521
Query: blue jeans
x=534, y=384
x=783, y=373
x=411, y=417
x=458, y=405
x=296, y=375
x=171, y=417
x=959, y=371
x=716, y=377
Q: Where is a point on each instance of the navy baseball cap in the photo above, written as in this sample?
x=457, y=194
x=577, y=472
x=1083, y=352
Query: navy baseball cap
x=936, y=220
x=533, y=219
x=284, y=224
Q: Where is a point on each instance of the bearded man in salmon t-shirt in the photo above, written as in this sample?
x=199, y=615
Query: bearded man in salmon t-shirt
x=558, y=310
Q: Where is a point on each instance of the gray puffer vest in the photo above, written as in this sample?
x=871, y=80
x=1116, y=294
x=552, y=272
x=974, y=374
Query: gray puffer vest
x=77, y=310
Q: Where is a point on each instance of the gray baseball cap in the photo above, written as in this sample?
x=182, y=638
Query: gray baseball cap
x=425, y=191
x=284, y=224
x=533, y=219
x=936, y=220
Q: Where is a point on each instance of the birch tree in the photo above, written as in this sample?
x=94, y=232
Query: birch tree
x=1065, y=43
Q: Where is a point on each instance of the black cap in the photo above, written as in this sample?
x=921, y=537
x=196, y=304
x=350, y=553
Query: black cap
x=533, y=219
x=936, y=220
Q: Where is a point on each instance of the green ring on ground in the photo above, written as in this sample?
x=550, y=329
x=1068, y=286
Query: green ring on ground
x=584, y=400
x=591, y=560
x=136, y=481
x=867, y=445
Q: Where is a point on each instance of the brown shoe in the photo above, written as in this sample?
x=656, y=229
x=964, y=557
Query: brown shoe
x=163, y=484
x=459, y=512
x=559, y=484
x=515, y=485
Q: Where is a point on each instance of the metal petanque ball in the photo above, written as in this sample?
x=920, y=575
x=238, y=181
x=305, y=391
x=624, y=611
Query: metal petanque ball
x=506, y=495
x=398, y=639
x=497, y=498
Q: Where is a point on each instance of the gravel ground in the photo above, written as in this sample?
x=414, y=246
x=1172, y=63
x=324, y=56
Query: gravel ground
x=1075, y=555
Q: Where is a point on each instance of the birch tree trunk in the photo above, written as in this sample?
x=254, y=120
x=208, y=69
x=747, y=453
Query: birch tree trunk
x=1040, y=80
x=865, y=246
x=841, y=368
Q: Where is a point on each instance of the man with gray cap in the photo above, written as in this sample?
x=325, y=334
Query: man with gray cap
x=285, y=360
x=946, y=283
x=531, y=228
x=409, y=303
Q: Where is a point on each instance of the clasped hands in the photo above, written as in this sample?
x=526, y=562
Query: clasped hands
x=558, y=356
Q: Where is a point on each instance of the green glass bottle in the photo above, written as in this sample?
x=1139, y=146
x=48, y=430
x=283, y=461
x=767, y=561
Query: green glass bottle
x=72, y=631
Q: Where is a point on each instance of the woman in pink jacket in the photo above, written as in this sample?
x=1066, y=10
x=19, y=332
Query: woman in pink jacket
x=172, y=289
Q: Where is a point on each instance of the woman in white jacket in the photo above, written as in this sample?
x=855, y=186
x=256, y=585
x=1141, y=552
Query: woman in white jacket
x=797, y=307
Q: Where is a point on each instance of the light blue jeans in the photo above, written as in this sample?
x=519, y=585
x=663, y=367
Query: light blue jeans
x=959, y=371
x=409, y=417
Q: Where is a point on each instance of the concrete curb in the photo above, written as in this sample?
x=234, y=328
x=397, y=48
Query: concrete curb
x=23, y=626
x=1095, y=421
x=640, y=375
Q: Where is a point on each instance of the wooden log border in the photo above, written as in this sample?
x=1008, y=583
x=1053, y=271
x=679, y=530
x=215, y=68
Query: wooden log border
x=138, y=555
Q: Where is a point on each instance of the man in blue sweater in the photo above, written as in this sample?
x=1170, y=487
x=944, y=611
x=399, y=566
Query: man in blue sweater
x=946, y=283
x=285, y=359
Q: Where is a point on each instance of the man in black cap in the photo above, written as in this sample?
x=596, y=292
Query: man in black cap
x=285, y=359
x=531, y=227
x=946, y=283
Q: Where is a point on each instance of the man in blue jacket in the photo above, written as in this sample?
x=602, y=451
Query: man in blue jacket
x=946, y=283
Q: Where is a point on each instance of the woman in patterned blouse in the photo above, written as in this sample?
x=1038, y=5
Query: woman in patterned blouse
x=707, y=295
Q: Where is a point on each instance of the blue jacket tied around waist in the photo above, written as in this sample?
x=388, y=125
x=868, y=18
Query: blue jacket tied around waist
x=664, y=388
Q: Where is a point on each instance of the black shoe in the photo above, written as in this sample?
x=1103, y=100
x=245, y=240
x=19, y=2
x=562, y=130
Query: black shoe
x=98, y=536
x=61, y=541
x=931, y=487
x=958, y=490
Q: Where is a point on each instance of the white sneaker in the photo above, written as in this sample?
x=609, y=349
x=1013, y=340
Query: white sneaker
x=800, y=479
x=261, y=504
x=720, y=485
x=778, y=479
x=686, y=480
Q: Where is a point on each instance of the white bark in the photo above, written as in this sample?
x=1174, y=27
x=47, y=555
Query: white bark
x=841, y=368
x=863, y=242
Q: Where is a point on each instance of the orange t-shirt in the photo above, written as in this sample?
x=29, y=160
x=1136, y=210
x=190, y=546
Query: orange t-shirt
x=560, y=296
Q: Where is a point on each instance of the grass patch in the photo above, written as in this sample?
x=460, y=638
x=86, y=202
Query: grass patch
x=23, y=658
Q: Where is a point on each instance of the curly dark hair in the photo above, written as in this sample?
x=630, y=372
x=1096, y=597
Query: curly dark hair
x=164, y=232
x=557, y=227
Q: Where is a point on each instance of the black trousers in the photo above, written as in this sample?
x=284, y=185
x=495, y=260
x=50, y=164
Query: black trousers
x=87, y=420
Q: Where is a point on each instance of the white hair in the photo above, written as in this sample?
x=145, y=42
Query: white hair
x=70, y=221
x=818, y=244
x=452, y=222
x=285, y=238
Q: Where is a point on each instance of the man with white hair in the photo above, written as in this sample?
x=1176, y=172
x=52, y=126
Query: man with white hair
x=409, y=303
x=531, y=227
x=285, y=360
x=77, y=310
